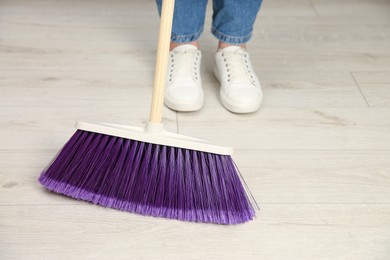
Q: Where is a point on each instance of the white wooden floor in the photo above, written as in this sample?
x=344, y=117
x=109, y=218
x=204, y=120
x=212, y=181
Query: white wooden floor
x=316, y=156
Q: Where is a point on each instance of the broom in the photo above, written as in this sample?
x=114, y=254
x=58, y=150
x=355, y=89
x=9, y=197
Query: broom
x=148, y=170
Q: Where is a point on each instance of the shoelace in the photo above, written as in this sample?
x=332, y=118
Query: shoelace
x=237, y=66
x=184, y=64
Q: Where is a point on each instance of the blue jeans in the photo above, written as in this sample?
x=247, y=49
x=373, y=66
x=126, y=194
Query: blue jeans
x=232, y=20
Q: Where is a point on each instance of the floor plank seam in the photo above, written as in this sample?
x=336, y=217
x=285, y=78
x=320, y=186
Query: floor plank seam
x=360, y=90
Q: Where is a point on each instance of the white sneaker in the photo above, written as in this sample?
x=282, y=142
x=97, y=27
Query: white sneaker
x=240, y=88
x=184, y=90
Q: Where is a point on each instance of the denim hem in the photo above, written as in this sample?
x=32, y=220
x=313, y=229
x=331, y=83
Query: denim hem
x=185, y=38
x=230, y=39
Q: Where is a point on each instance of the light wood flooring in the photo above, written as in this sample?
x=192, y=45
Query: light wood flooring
x=316, y=156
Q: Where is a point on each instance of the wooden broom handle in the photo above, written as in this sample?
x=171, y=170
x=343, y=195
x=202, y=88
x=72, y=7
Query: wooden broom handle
x=160, y=76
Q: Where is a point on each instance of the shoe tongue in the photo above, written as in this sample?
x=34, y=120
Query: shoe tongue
x=231, y=48
x=184, y=47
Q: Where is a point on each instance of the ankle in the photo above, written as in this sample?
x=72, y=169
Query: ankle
x=222, y=45
x=176, y=44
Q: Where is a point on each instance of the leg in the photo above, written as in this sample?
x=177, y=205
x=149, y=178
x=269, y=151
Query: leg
x=188, y=21
x=233, y=20
x=233, y=25
x=184, y=90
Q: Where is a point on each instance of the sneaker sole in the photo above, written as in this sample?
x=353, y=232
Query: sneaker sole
x=188, y=107
x=231, y=106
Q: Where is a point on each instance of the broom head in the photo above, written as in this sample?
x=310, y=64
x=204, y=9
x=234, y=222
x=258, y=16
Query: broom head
x=151, y=172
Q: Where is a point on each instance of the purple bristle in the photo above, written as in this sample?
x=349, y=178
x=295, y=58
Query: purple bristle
x=149, y=179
